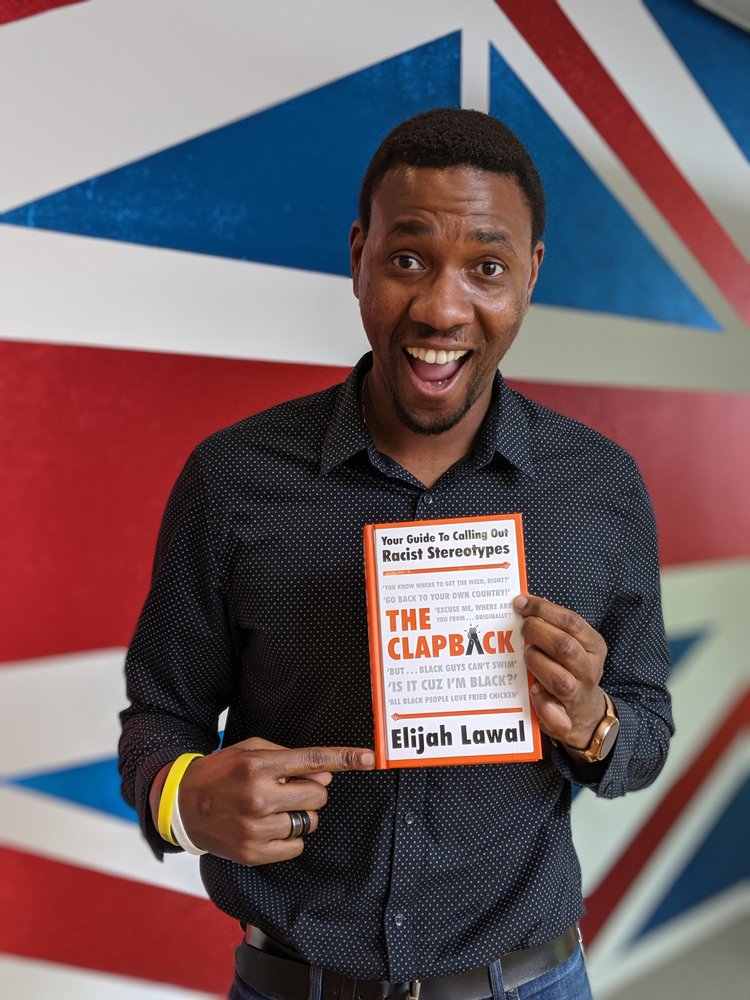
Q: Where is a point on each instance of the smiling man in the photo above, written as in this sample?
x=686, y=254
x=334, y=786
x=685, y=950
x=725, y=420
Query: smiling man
x=445, y=883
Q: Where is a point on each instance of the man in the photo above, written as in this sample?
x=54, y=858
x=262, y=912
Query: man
x=459, y=882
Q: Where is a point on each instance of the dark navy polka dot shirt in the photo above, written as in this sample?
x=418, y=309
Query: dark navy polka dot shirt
x=258, y=604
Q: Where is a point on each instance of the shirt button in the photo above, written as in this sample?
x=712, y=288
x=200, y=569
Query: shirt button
x=399, y=920
x=427, y=498
x=409, y=818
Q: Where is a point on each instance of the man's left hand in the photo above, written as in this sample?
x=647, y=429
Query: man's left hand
x=566, y=656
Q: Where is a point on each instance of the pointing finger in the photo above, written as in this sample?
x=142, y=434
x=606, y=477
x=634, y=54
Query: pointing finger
x=317, y=761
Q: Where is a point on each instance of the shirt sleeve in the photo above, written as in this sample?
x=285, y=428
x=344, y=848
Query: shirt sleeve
x=636, y=668
x=181, y=667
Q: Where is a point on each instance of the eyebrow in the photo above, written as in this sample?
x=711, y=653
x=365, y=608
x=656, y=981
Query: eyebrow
x=409, y=229
x=489, y=237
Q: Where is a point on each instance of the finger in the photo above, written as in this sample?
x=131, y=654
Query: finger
x=252, y=837
x=322, y=777
x=299, y=794
x=280, y=825
x=278, y=846
x=567, y=621
x=553, y=718
x=558, y=645
x=560, y=682
x=258, y=743
x=275, y=850
x=316, y=760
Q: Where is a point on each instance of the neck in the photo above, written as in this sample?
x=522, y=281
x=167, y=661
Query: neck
x=426, y=456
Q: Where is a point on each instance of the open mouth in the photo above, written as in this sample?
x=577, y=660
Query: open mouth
x=437, y=367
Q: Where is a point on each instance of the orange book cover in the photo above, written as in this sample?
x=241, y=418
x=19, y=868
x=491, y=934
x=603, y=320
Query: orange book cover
x=449, y=683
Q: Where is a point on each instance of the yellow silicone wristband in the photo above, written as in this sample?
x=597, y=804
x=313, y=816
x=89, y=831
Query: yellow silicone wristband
x=169, y=794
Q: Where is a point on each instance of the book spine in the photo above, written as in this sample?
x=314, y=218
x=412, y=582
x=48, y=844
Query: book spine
x=372, y=592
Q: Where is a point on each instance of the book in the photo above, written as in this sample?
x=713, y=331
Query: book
x=449, y=683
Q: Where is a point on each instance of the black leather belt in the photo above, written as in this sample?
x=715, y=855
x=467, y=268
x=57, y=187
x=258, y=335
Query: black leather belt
x=264, y=967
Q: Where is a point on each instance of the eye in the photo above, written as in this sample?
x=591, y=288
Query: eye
x=405, y=262
x=491, y=269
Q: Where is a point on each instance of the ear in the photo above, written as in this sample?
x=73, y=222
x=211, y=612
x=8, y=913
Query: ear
x=537, y=256
x=356, y=246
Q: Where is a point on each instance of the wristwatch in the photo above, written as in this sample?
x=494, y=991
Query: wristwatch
x=604, y=736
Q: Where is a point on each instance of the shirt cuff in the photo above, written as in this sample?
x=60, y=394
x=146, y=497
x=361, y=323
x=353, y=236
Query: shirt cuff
x=608, y=778
x=148, y=768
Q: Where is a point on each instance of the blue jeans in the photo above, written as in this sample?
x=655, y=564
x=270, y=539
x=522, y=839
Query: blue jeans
x=566, y=982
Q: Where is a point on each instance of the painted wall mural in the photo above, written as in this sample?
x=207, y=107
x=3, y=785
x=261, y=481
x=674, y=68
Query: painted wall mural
x=176, y=189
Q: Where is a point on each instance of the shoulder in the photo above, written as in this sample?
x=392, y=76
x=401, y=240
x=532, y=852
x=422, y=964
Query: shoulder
x=556, y=440
x=290, y=430
x=552, y=433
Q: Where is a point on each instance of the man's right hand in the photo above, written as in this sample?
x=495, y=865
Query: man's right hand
x=235, y=803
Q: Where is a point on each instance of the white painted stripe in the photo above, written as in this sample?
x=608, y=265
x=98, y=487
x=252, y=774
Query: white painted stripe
x=57, y=288
x=571, y=346
x=69, y=702
x=24, y=979
x=475, y=68
x=63, y=289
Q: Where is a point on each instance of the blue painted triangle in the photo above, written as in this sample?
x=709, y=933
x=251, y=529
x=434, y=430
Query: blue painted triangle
x=717, y=54
x=597, y=257
x=721, y=861
x=279, y=187
x=95, y=785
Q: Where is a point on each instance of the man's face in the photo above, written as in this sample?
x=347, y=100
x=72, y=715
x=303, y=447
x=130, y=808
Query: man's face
x=444, y=278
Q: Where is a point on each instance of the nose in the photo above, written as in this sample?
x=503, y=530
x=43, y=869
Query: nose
x=442, y=301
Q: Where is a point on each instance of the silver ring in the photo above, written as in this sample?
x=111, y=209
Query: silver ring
x=306, y=822
x=297, y=825
x=301, y=823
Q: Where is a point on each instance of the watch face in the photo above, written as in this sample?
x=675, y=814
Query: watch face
x=608, y=740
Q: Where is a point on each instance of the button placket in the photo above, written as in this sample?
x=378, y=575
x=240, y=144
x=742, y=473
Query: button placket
x=408, y=858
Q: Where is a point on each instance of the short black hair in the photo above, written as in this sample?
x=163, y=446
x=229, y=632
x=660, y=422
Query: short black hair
x=456, y=137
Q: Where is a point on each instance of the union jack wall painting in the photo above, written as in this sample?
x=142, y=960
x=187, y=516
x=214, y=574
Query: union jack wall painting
x=176, y=184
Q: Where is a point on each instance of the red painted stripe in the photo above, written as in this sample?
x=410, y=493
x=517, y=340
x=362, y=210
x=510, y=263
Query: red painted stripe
x=16, y=10
x=546, y=28
x=91, y=441
x=626, y=869
x=74, y=916
x=691, y=448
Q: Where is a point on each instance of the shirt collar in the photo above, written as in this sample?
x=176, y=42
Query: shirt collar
x=347, y=434
x=505, y=431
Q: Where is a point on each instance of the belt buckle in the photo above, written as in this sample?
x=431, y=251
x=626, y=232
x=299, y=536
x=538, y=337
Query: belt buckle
x=415, y=988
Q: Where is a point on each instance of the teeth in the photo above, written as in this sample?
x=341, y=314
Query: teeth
x=434, y=357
